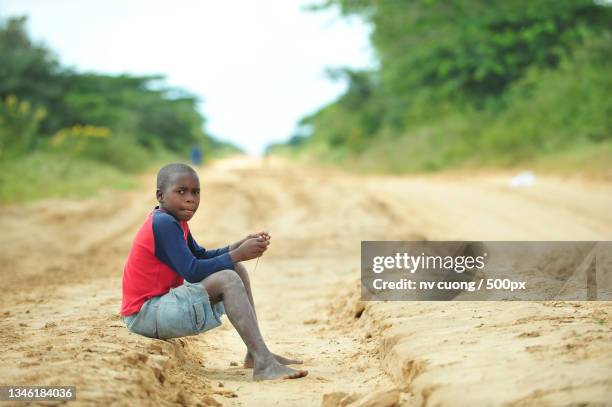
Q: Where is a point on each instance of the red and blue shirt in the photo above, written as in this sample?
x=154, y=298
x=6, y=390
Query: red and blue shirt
x=163, y=255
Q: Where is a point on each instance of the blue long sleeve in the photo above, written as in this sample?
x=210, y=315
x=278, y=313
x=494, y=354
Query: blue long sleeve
x=201, y=253
x=172, y=249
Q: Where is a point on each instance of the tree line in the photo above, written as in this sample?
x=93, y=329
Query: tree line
x=120, y=120
x=468, y=81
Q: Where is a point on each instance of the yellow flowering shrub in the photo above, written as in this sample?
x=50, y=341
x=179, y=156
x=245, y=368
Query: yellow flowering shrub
x=19, y=123
x=79, y=137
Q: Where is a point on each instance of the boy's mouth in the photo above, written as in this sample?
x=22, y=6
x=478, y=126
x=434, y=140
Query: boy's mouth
x=188, y=212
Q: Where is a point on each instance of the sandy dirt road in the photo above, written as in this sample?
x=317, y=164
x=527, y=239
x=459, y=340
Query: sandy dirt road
x=61, y=263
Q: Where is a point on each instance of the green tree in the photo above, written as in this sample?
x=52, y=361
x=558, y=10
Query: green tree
x=451, y=74
x=139, y=111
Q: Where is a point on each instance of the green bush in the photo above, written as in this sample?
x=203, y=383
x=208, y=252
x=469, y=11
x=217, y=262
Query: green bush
x=100, y=144
x=19, y=122
x=470, y=83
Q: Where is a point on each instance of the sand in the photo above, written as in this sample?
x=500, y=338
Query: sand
x=61, y=263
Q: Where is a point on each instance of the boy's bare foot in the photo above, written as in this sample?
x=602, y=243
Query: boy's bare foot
x=248, y=360
x=277, y=371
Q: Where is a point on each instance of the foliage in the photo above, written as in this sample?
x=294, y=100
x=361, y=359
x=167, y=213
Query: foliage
x=85, y=122
x=470, y=80
x=138, y=108
x=19, y=124
x=47, y=174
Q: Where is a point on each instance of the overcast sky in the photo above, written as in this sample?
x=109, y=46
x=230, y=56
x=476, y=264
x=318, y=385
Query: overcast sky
x=257, y=66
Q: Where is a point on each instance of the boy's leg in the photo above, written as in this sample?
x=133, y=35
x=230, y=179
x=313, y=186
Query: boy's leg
x=248, y=359
x=227, y=286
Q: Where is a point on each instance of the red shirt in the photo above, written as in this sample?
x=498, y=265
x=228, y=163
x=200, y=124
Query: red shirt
x=162, y=256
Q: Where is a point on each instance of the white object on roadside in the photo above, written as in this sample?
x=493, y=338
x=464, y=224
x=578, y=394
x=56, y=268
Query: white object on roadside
x=523, y=180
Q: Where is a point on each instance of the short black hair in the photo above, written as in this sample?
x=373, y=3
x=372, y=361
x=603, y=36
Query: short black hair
x=166, y=173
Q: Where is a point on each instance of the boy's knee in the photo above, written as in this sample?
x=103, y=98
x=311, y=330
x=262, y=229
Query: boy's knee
x=229, y=277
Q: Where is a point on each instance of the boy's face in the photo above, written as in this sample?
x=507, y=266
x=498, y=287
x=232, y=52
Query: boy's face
x=181, y=197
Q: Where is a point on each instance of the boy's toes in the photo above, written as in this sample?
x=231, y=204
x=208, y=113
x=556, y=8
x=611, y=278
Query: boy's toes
x=278, y=371
x=298, y=374
x=248, y=361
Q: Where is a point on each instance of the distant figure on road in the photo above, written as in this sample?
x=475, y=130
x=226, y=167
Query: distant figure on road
x=196, y=155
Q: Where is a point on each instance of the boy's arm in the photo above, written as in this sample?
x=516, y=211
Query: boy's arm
x=171, y=248
x=201, y=253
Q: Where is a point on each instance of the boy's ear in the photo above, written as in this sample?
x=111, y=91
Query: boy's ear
x=159, y=195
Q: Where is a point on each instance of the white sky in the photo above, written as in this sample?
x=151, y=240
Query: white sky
x=258, y=66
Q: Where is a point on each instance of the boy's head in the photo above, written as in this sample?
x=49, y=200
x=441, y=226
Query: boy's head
x=178, y=190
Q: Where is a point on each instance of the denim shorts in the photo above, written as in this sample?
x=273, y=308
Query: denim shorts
x=183, y=311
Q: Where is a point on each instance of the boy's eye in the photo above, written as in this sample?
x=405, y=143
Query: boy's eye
x=181, y=191
x=196, y=192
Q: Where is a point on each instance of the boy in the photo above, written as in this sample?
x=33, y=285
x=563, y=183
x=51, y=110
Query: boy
x=157, y=304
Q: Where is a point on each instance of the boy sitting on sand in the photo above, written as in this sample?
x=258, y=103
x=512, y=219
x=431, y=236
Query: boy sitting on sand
x=157, y=303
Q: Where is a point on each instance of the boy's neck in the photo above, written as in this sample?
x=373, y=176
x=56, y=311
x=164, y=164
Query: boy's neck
x=159, y=208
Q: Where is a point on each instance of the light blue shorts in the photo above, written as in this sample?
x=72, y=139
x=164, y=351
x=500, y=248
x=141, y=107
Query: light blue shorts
x=183, y=311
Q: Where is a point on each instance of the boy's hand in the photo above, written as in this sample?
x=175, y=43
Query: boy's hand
x=237, y=244
x=250, y=249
